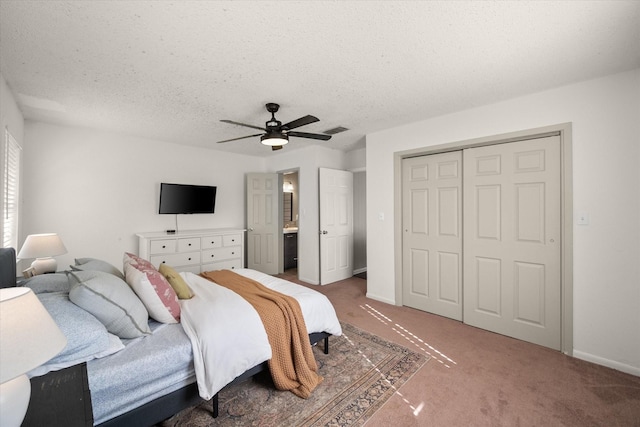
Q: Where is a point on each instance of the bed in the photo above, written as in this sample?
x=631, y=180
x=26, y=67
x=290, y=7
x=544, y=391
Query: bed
x=144, y=379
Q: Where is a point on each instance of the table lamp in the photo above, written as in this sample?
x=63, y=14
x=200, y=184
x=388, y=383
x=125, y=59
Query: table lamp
x=42, y=247
x=28, y=338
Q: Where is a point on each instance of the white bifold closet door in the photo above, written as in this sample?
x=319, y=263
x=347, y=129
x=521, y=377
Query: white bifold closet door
x=432, y=233
x=481, y=237
x=512, y=240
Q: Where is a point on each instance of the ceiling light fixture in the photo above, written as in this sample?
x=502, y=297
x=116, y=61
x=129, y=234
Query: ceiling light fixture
x=272, y=138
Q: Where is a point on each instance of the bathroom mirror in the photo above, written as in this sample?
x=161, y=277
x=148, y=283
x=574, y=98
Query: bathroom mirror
x=287, y=206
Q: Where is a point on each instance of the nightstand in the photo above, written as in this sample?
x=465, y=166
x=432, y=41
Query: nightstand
x=60, y=398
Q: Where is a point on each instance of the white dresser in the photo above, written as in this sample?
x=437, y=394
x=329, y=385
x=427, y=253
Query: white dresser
x=194, y=250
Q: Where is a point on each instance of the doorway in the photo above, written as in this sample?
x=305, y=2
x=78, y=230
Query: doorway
x=290, y=224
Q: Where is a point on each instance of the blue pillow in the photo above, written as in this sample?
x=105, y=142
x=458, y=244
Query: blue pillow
x=92, y=264
x=54, y=282
x=111, y=301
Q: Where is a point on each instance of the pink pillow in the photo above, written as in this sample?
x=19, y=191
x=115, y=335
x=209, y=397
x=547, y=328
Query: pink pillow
x=153, y=289
x=137, y=261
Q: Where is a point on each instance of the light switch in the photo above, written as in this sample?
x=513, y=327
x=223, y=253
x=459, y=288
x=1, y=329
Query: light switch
x=582, y=218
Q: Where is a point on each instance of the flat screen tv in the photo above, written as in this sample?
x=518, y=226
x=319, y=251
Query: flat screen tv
x=187, y=199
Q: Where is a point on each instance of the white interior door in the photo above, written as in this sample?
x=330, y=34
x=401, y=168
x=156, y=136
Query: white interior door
x=263, y=222
x=336, y=225
x=512, y=240
x=432, y=233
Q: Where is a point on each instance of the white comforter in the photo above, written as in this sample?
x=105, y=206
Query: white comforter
x=227, y=334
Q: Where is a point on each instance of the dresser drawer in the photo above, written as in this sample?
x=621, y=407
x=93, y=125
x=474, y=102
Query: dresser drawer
x=230, y=264
x=175, y=260
x=163, y=246
x=231, y=240
x=212, y=255
x=210, y=242
x=192, y=244
x=189, y=268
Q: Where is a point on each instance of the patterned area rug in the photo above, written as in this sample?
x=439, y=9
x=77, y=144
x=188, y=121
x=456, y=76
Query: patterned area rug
x=361, y=372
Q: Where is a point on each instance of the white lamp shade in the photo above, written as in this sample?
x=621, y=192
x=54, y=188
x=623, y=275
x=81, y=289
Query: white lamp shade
x=42, y=246
x=29, y=337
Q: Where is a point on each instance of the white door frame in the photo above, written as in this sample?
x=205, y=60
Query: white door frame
x=564, y=130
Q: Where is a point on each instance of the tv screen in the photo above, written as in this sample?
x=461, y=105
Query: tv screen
x=187, y=199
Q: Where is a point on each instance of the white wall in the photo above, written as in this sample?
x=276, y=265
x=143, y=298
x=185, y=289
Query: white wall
x=10, y=118
x=307, y=161
x=356, y=160
x=606, y=184
x=10, y=115
x=98, y=189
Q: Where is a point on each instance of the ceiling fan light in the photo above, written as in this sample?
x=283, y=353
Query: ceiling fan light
x=274, y=139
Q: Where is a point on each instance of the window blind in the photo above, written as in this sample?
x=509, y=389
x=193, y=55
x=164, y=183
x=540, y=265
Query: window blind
x=11, y=191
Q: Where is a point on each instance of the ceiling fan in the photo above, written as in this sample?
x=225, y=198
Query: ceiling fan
x=277, y=134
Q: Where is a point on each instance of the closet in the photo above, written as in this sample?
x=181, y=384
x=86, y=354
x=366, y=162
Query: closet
x=481, y=231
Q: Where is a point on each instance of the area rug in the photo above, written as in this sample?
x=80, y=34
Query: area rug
x=361, y=372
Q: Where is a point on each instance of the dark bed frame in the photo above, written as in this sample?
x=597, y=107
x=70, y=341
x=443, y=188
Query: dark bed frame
x=168, y=405
x=165, y=406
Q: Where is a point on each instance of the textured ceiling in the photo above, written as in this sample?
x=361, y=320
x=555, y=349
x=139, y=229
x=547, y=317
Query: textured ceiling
x=171, y=70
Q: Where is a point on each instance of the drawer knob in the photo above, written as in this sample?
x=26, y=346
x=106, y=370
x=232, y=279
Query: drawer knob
x=189, y=258
x=189, y=244
x=212, y=256
x=233, y=253
x=164, y=246
x=163, y=262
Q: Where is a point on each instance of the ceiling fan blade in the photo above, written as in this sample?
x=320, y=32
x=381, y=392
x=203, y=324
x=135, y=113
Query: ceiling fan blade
x=300, y=122
x=310, y=135
x=242, y=124
x=242, y=137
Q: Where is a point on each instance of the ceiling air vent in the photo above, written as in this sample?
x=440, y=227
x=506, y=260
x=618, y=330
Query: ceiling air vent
x=335, y=130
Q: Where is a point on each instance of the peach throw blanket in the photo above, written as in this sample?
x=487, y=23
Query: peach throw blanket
x=293, y=366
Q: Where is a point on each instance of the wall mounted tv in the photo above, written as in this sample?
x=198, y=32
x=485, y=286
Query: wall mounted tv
x=187, y=199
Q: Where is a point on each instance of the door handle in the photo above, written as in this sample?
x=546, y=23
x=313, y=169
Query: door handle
x=250, y=228
x=324, y=232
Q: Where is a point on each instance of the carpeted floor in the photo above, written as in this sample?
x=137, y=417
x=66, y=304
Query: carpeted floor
x=361, y=372
x=479, y=378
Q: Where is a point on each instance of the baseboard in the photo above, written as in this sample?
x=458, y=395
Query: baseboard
x=359, y=270
x=381, y=299
x=309, y=281
x=607, y=362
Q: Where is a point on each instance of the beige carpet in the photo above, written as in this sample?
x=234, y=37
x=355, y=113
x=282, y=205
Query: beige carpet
x=361, y=372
